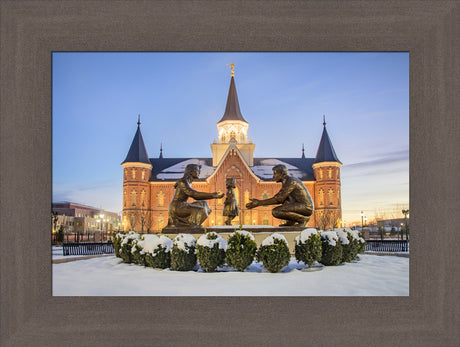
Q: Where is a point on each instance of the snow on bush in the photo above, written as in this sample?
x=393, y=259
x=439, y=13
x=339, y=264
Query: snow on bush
x=157, y=251
x=331, y=248
x=127, y=241
x=183, y=253
x=308, y=246
x=241, y=249
x=274, y=252
x=211, y=249
x=137, y=254
x=350, y=249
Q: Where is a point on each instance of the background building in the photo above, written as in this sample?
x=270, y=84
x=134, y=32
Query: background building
x=148, y=183
x=81, y=220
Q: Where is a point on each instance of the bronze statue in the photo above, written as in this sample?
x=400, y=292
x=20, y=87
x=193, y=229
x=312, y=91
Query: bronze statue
x=230, y=203
x=297, y=205
x=184, y=214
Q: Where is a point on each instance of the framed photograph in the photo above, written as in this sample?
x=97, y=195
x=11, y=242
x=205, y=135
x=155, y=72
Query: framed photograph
x=31, y=32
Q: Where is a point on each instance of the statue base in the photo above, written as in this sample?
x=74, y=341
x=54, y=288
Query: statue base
x=254, y=229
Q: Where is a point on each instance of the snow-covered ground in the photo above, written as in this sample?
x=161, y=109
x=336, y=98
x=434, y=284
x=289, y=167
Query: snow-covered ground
x=373, y=275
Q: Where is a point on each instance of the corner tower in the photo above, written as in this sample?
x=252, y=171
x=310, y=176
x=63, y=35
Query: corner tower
x=137, y=169
x=326, y=169
x=232, y=129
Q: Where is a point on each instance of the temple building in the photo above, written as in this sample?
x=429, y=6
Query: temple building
x=148, y=183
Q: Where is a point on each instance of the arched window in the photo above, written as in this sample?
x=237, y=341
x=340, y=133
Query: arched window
x=330, y=194
x=320, y=174
x=232, y=135
x=321, y=197
x=241, y=137
x=219, y=201
x=161, y=198
x=329, y=172
x=237, y=195
x=133, y=174
x=143, y=197
x=133, y=198
x=124, y=198
x=223, y=138
x=246, y=197
x=143, y=174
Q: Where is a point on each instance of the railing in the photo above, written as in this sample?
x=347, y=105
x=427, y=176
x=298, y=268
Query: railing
x=387, y=245
x=87, y=248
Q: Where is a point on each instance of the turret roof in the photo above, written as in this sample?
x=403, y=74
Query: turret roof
x=325, y=150
x=232, y=110
x=137, y=152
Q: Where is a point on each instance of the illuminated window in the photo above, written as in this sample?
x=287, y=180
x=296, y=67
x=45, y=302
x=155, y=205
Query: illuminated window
x=161, y=198
x=246, y=196
x=143, y=174
x=321, y=197
x=219, y=201
x=161, y=223
x=241, y=137
x=133, y=174
x=329, y=172
x=320, y=174
x=265, y=220
x=232, y=135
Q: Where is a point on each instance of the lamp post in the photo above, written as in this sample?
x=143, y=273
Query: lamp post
x=362, y=221
x=102, y=226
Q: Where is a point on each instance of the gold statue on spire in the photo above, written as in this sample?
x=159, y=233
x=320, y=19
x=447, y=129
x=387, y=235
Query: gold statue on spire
x=232, y=66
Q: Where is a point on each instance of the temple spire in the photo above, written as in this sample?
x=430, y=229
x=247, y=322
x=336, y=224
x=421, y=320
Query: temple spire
x=303, y=151
x=137, y=152
x=232, y=109
x=138, y=120
x=325, y=149
x=161, y=151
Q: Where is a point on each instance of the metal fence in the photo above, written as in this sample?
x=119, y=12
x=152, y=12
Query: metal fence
x=387, y=245
x=87, y=248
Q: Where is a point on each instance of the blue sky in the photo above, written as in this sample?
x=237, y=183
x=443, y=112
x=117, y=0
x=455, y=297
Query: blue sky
x=181, y=96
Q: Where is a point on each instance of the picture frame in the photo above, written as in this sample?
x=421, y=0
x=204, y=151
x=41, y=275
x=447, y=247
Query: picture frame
x=31, y=31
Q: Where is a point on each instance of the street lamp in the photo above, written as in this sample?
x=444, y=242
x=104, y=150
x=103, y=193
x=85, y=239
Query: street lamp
x=405, y=213
x=362, y=220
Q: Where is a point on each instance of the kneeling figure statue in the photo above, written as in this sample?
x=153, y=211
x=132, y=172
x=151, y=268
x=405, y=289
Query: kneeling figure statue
x=297, y=205
x=184, y=214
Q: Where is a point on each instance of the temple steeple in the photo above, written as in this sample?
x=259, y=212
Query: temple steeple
x=137, y=152
x=232, y=127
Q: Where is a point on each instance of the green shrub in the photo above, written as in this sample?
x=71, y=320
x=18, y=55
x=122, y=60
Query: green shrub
x=241, y=249
x=349, y=245
x=331, y=248
x=274, y=252
x=117, y=243
x=126, y=246
x=362, y=243
x=183, y=253
x=137, y=253
x=211, y=251
x=308, y=246
x=157, y=251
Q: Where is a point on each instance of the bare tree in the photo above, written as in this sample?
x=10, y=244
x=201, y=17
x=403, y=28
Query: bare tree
x=133, y=219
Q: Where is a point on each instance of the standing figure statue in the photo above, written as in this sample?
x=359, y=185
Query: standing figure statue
x=184, y=214
x=297, y=205
x=230, y=203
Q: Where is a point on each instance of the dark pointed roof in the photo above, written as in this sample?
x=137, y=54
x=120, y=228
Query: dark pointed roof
x=325, y=150
x=232, y=110
x=137, y=152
